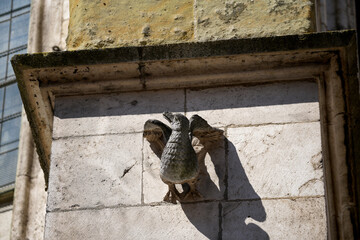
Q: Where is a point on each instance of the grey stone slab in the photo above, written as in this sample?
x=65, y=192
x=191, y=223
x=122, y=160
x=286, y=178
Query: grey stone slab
x=113, y=113
x=275, y=161
x=190, y=221
x=260, y=104
x=211, y=178
x=95, y=171
x=302, y=218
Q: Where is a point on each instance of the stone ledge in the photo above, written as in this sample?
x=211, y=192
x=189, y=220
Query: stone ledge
x=314, y=41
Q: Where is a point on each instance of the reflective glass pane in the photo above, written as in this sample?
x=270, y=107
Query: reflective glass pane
x=2, y=67
x=10, y=71
x=8, y=167
x=12, y=100
x=4, y=17
x=20, y=3
x=1, y=100
x=4, y=33
x=5, y=6
x=10, y=130
x=19, y=31
x=8, y=147
x=20, y=11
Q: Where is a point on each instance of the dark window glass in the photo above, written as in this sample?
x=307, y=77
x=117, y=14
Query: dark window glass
x=10, y=131
x=1, y=99
x=20, y=3
x=8, y=167
x=14, y=24
x=5, y=6
x=4, y=33
x=12, y=100
x=9, y=147
x=19, y=30
x=2, y=67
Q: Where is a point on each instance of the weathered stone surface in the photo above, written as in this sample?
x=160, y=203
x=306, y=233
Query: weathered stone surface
x=112, y=23
x=95, y=171
x=211, y=178
x=29, y=207
x=109, y=23
x=190, y=221
x=154, y=189
x=120, y=113
x=302, y=218
x=268, y=103
x=225, y=19
x=275, y=161
x=5, y=222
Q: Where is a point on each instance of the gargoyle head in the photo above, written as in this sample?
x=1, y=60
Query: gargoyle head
x=178, y=121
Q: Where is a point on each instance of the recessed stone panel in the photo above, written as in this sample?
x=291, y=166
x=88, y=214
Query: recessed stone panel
x=191, y=221
x=95, y=171
x=302, y=218
x=275, y=161
x=113, y=113
x=260, y=104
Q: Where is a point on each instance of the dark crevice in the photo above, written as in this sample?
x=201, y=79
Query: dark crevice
x=126, y=170
x=220, y=221
x=141, y=68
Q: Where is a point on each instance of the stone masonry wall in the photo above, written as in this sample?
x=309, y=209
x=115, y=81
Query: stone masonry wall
x=264, y=181
x=5, y=222
x=114, y=23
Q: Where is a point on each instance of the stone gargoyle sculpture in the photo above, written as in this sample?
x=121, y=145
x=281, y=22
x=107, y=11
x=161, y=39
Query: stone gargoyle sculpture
x=179, y=161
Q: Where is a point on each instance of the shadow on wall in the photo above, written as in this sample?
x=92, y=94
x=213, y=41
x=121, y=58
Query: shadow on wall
x=137, y=103
x=233, y=214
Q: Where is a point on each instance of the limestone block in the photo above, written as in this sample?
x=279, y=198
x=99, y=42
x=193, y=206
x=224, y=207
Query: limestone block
x=95, y=171
x=252, y=105
x=5, y=222
x=114, y=113
x=211, y=178
x=114, y=23
x=154, y=189
x=275, y=161
x=190, y=221
x=227, y=19
x=275, y=219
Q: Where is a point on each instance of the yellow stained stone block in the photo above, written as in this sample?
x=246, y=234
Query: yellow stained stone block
x=224, y=19
x=114, y=23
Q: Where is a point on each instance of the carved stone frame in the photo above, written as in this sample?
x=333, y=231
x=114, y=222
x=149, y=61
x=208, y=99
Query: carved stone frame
x=328, y=58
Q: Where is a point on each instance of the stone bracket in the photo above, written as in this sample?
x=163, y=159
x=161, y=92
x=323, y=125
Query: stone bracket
x=327, y=58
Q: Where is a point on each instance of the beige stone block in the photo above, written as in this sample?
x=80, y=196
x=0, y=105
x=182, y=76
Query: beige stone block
x=227, y=19
x=114, y=23
x=302, y=218
x=95, y=171
x=154, y=189
x=275, y=161
x=253, y=105
x=211, y=178
x=5, y=222
x=113, y=113
x=191, y=221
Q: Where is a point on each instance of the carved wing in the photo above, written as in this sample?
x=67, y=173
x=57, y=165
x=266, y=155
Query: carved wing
x=157, y=133
x=206, y=134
